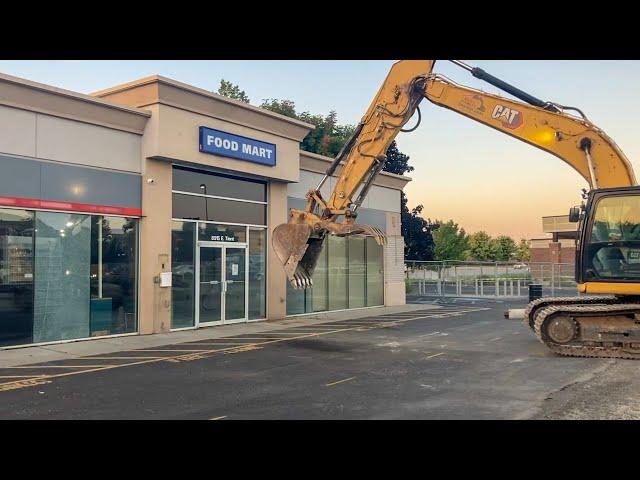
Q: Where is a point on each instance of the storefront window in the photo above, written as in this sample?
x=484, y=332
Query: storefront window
x=113, y=275
x=62, y=270
x=296, y=300
x=66, y=276
x=257, y=273
x=196, y=207
x=375, y=273
x=239, y=208
x=357, y=273
x=183, y=274
x=16, y=276
x=349, y=274
x=338, y=272
x=188, y=180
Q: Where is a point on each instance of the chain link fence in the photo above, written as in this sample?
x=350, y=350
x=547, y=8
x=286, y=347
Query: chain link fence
x=487, y=279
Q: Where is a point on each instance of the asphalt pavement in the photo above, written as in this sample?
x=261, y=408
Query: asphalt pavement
x=459, y=360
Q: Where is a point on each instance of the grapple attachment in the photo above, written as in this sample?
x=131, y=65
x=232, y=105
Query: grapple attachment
x=298, y=246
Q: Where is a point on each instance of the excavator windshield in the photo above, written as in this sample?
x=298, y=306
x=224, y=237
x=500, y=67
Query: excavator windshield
x=613, y=250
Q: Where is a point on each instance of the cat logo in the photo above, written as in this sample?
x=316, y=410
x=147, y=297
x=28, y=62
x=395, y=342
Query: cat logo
x=509, y=117
x=473, y=102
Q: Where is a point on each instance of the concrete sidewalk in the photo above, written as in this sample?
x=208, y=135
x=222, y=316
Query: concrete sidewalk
x=83, y=348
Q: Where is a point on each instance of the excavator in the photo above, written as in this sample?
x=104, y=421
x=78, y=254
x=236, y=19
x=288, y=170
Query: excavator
x=603, y=320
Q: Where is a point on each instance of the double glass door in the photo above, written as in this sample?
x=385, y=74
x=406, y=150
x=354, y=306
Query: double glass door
x=222, y=286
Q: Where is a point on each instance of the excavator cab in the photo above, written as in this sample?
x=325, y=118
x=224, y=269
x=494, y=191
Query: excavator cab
x=610, y=240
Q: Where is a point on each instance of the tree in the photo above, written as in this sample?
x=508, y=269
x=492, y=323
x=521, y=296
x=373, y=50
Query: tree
x=450, y=241
x=397, y=162
x=283, y=107
x=481, y=247
x=523, y=251
x=505, y=248
x=417, y=233
x=326, y=139
x=230, y=90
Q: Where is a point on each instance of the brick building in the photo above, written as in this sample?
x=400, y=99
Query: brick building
x=561, y=246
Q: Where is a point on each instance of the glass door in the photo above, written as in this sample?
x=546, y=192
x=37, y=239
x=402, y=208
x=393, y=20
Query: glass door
x=210, y=286
x=222, y=285
x=235, y=284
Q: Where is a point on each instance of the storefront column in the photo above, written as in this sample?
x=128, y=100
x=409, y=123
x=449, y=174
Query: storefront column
x=155, y=247
x=394, y=286
x=276, y=278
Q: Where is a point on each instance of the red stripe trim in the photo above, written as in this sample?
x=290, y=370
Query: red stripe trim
x=69, y=206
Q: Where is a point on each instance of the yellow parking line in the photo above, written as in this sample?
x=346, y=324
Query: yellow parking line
x=177, y=350
x=436, y=355
x=240, y=341
x=38, y=367
x=339, y=381
x=217, y=343
x=122, y=358
x=289, y=335
x=309, y=327
x=21, y=376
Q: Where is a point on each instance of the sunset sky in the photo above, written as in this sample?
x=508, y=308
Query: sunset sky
x=479, y=177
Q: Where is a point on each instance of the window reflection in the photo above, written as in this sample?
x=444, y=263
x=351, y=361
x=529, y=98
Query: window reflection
x=113, y=275
x=349, y=274
x=62, y=266
x=614, y=247
x=16, y=276
x=183, y=271
x=187, y=180
x=257, y=273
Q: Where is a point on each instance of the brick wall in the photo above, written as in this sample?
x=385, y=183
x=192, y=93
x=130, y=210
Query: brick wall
x=554, y=253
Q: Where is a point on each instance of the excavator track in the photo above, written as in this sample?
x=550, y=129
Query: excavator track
x=601, y=330
x=536, y=305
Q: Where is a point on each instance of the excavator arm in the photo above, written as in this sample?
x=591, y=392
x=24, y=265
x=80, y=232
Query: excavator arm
x=545, y=125
x=573, y=139
x=298, y=243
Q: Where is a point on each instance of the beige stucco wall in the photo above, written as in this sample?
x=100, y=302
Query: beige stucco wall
x=394, y=286
x=154, y=308
x=178, y=132
x=155, y=248
x=48, y=137
x=277, y=213
x=379, y=197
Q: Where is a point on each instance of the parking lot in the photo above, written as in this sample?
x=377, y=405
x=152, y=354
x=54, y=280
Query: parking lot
x=453, y=359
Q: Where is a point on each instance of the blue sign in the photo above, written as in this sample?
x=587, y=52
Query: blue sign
x=226, y=144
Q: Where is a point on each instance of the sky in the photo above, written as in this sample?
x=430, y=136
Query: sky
x=465, y=171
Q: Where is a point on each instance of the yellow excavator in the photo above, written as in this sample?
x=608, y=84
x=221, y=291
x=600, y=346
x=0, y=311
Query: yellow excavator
x=605, y=320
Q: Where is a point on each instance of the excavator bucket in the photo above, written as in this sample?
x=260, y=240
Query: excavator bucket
x=298, y=249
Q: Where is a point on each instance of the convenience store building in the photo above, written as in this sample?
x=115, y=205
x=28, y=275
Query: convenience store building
x=148, y=207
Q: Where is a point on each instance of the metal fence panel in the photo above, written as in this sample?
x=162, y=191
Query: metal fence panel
x=487, y=279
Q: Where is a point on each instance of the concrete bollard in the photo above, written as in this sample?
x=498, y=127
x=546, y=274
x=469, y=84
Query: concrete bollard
x=514, y=313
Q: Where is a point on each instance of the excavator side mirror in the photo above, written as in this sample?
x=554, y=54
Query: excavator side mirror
x=574, y=214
